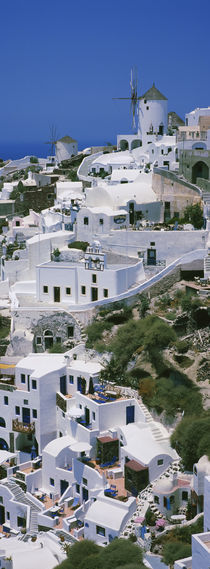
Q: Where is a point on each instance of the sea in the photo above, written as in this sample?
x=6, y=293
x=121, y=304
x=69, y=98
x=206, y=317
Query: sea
x=15, y=150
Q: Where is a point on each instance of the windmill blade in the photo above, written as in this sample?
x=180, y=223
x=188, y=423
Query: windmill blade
x=121, y=98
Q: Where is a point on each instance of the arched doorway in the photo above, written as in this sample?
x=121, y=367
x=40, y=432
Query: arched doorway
x=48, y=339
x=200, y=170
x=3, y=445
x=2, y=422
x=123, y=144
x=136, y=144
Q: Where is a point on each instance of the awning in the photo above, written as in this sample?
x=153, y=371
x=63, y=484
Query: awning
x=6, y=455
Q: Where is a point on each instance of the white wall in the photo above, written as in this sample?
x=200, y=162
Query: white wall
x=169, y=245
x=65, y=275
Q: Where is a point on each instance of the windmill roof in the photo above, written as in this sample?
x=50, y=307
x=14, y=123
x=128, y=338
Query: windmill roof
x=153, y=94
x=66, y=139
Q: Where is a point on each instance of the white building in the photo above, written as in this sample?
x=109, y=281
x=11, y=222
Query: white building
x=96, y=277
x=65, y=148
x=171, y=493
x=106, y=519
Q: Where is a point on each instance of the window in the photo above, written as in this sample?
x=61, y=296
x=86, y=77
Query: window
x=171, y=499
x=8, y=516
x=58, y=339
x=70, y=331
x=17, y=410
x=101, y=221
x=84, y=481
x=68, y=290
x=23, y=378
x=1, y=500
x=100, y=530
x=6, y=400
x=86, y=221
x=184, y=495
x=33, y=383
x=106, y=292
x=71, y=379
x=93, y=416
x=165, y=502
x=147, y=108
x=2, y=422
x=25, y=401
x=152, y=243
x=156, y=500
x=77, y=488
x=39, y=340
x=145, y=100
x=83, y=289
x=94, y=278
x=160, y=461
x=52, y=482
x=45, y=289
x=34, y=413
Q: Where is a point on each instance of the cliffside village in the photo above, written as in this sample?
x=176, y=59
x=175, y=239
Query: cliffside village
x=81, y=457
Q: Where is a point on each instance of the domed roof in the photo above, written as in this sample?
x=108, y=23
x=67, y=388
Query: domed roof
x=164, y=486
x=203, y=465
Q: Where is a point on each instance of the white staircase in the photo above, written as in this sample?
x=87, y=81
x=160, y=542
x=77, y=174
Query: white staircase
x=21, y=497
x=156, y=431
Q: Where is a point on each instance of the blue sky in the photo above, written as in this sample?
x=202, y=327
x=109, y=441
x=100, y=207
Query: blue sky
x=62, y=62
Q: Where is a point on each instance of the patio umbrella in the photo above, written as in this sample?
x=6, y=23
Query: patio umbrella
x=75, y=412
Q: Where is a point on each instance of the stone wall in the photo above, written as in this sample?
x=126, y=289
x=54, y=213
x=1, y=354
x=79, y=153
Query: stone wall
x=38, y=323
x=172, y=189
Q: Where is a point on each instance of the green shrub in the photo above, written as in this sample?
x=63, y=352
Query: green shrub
x=33, y=160
x=78, y=245
x=181, y=346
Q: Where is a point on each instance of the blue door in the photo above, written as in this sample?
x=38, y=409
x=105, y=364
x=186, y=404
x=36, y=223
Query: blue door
x=63, y=385
x=130, y=412
x=84, y=494
x=79, y=384
x=26, y=415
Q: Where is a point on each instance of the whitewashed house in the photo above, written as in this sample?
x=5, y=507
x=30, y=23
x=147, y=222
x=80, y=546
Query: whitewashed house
x=96, y=277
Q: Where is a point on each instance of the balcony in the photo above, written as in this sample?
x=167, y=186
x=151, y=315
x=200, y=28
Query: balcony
x=23, y=427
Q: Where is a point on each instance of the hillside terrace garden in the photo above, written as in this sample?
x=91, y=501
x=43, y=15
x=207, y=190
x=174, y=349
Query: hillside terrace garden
x=147, y=354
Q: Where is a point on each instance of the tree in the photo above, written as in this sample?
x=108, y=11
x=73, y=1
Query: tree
x=144, y=306
x=191, y=438
x=33, y=160
x=88, y=555
x=118, y=552
x=175, y=550
x=80, y=551
x=194, y=214
x=147, y=387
